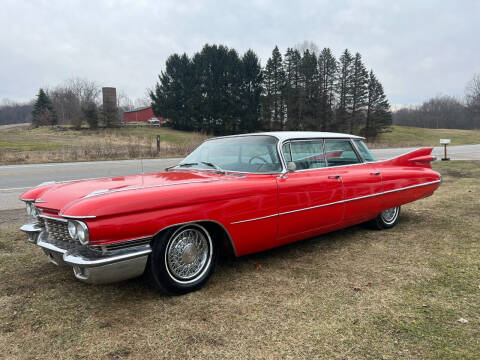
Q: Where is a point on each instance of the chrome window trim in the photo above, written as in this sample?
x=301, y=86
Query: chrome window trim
x=338, y=202
x=326, y=167
x=355, y=149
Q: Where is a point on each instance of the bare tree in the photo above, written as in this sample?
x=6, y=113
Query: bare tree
x=86, y=91
x=472, y=96
x=124, y=103
x=72, y=99
x=308, y=45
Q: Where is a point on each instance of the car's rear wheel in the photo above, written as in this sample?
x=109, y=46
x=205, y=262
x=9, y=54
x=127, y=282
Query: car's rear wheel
x=386, y=219
x=182, y=260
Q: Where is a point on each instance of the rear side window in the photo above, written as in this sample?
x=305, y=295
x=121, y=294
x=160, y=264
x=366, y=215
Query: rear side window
x=367, y=155
x=307, y=154
x=340, y=152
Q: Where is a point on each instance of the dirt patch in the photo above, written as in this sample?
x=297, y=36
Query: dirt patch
x=14, y=217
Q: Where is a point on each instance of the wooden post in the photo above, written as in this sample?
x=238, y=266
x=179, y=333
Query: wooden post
x=445, y=142
x=158, y=144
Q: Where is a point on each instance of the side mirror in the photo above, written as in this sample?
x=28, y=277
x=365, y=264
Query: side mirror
x=291, y=167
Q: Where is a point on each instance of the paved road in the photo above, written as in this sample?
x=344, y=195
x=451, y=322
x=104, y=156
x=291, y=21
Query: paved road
x=15, y=179
x=459, y=152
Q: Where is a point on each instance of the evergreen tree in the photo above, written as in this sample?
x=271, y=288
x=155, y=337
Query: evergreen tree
x=359, y=91
x=291, y=65
x=274, y=109
x=344, y=90
x=172, y=94
x=379, y=116
x=327, y=70
x=250, y=92
x=43, y=112
x=310, y=91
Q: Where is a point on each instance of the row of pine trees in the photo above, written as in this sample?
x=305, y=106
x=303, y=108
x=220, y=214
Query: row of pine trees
x=217, y=91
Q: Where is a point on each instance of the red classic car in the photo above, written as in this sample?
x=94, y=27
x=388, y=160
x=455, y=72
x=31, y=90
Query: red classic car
x=241, y=194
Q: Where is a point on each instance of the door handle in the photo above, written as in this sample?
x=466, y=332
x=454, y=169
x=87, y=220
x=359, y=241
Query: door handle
x=375, y=173
x=338, y=177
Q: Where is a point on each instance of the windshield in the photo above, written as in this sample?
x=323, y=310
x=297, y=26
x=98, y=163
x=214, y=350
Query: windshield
x=366, y=154
x=254, y=153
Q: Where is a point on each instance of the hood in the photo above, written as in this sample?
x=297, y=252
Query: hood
x=60, y=195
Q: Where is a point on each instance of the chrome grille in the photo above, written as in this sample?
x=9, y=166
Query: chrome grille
x=57, y=230
x=127, y=244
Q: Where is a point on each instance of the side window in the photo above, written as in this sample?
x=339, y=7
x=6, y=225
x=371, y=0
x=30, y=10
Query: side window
x=367, y=155
x=340, y=152
x=308, y=154
x=286, y=152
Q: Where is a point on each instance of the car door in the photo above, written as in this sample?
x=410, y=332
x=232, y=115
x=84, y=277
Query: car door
x=310, y=198
x=361, y=181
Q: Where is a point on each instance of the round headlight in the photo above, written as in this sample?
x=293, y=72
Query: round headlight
x=82, y=233
x=72, y=229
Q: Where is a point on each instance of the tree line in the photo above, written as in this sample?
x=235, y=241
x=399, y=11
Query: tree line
x=446, y=112
x=220, y=92
x=15, y=113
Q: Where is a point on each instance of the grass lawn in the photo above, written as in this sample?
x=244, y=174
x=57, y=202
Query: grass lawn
x=416, y=281
x=19, y=144
x=404, y=136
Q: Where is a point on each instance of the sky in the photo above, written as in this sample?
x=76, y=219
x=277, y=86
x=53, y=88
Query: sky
x=418, y=49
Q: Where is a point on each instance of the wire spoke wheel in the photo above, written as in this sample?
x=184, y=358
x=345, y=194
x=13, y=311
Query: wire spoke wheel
x=188, y=254
x=390, y=215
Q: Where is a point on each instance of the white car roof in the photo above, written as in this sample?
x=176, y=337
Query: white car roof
x=286, y=135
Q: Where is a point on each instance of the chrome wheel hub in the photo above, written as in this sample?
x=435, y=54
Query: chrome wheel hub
x=188, y=254
x=389, y=216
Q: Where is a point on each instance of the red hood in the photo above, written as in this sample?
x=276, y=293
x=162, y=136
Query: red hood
x=60, y=195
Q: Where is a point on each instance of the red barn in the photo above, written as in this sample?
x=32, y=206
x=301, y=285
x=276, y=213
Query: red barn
x=142, y=115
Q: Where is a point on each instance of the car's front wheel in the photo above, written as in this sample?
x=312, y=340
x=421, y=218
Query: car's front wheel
x=182, y=260
x=386, y=219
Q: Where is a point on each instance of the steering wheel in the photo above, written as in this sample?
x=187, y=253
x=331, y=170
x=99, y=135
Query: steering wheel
x=260, y=158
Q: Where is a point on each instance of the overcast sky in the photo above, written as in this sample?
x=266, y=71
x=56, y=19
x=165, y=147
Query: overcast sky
x=418, y=49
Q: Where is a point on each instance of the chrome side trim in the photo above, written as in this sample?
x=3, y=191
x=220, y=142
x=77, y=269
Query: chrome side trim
x=338, y=202
x=254, y=219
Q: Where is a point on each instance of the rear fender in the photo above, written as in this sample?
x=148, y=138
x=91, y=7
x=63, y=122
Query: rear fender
x=419, y=158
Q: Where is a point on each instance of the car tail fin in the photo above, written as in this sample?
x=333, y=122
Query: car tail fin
x=420, y=157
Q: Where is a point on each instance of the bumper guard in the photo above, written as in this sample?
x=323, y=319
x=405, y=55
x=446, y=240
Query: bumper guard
x=88, y=265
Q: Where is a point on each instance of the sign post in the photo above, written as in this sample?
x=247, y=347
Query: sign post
x=445, y=142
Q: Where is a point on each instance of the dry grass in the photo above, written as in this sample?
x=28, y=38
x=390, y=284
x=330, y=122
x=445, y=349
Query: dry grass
x=416, y=281
x=21, y=144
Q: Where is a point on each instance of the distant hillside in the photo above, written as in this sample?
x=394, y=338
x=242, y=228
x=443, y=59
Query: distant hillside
x=404, y=136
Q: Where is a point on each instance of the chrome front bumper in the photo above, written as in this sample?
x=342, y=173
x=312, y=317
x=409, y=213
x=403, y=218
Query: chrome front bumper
x=88, y=265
